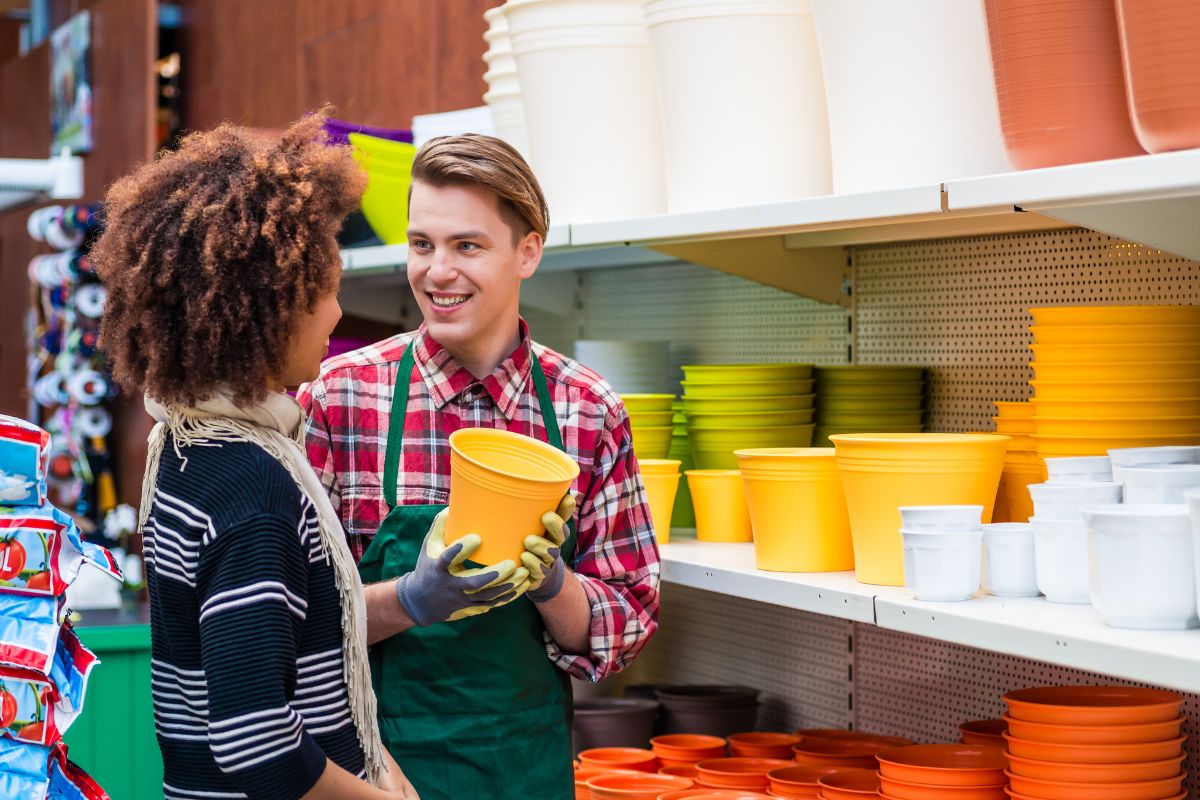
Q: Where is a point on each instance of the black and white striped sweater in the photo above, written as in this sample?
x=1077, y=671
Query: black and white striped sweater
x=249, y=694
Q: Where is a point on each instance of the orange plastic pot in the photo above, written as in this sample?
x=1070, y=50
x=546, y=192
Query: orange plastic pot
x=799, y=781
x=1095, y=773
x=850, y=784
x=681, y=771
x=882, y=472
x=738, y=773
x=1018, y=796
x=1093, y=705
x=1094, y=734
x=763, y=745
x=646, y=786
x=1162, y=71
x=797, y=509
x=687, y=749
x=661, y=479
x=1044, y=59
x=719, y=502
x=905, y=790
x=1095, y=753
x=1013, y=503
x=501, y=483
x=852, y=751
x=945, y=765
x=585, y=774
x=1062, y=790
x=705, y=793
x=825, y=733
x=984, y=731
x=618, y=758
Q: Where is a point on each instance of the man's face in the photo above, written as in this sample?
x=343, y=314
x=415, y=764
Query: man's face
x=463, y=267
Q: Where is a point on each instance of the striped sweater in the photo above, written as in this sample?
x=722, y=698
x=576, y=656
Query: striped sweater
x=249, y=695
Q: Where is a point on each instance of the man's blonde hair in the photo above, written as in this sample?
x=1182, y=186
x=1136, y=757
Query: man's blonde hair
x=476, y=160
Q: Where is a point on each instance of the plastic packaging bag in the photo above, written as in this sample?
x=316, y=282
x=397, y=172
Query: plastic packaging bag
x=24, y=770
x=41, y=552
x=39, y=708
x=29, y=628
x=24, y=448
x=69, y=782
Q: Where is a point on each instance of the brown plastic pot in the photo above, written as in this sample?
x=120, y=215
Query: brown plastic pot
x=711, y=710
x=1162, y=71
x=613, y=722
x=1046, y=57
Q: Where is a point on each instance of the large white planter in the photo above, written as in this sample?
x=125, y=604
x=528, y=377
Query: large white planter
x=743, y=101
x=910, y=91
x=591, y=106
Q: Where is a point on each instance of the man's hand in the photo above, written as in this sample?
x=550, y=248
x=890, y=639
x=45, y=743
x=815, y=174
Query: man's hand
x=441, y=588
x=543, y=558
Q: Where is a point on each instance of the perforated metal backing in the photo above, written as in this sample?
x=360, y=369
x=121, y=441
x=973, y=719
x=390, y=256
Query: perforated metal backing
x=800, y=661
x=959, y=306
x=710, y=317
x=910, y=686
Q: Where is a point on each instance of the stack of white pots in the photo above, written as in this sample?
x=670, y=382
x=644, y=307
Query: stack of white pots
x=504, y=87
x=943, y=548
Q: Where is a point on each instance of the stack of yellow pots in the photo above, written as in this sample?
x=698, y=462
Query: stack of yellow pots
x=1022, y=465
x=735, y=406
x=854, y=399
x=661, y=479
x=650, y=417
x=1108, y=377
x=681, y=450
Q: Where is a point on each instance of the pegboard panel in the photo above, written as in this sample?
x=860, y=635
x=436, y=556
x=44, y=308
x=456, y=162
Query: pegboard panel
x=906, y=685
x=959, y=306
x=710, y=317
x=800, y=661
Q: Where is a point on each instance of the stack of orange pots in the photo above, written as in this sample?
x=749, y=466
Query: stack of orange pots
x=850, y=784
x=686, y=749
x=1162, y=71
x=1095, y=742
x=738, y=773
x=926, y=771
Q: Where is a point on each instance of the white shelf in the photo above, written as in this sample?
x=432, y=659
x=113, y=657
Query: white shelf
x=24, y=180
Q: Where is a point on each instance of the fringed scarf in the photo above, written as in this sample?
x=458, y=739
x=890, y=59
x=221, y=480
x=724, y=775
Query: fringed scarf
x=277, y=426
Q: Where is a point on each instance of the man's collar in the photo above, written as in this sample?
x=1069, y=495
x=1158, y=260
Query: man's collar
x=446, y=379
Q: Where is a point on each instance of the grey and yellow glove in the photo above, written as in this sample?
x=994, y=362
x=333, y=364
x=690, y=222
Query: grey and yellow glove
x=543, y=556
x=441, y=589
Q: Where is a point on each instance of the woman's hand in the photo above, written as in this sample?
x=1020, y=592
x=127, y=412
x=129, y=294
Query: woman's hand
x=400, y=785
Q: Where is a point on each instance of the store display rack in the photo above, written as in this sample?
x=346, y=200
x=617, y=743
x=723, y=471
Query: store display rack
x=24, y=180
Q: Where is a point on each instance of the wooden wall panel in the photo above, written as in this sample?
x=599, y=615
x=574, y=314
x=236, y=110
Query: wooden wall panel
x=378, y=61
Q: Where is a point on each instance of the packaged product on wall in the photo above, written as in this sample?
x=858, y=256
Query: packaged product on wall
x=40, y=708
x=69, y=782
x=41, y=552
x=23, y=451
x=26, y=769
x=29, y=628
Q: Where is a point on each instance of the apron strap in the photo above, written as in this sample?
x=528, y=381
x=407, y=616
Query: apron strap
x=395, y=440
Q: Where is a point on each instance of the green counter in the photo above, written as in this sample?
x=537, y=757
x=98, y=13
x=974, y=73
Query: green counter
x=113, y=739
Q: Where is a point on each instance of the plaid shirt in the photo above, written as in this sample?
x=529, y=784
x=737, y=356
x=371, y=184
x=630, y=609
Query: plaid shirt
x=616, y=558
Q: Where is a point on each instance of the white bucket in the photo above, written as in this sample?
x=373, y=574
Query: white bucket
x=508, y=119
x=743, y=101
x=591, y=106
x=910, y=90
x=502, y=81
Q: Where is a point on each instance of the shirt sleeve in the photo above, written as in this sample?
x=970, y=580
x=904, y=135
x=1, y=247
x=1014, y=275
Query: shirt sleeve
x=318, y=440
x=252, y=593
x=616, y=560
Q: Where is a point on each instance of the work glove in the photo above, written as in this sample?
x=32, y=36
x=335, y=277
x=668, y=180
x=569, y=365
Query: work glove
x=441, y=589
x=543, y=556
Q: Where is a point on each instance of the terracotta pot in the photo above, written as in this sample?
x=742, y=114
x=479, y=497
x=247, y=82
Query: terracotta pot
x=763, y=745
x=1162, y=71
x=613, y=722
x=1059, y=81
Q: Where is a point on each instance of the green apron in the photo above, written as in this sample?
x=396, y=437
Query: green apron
x=472, y=709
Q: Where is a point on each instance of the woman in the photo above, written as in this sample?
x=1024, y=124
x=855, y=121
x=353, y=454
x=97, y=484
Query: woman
x=222, y=272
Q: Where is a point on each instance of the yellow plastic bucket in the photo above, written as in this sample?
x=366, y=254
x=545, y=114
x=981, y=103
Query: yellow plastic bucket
x=652, y=443
x=883, y=471
x=1169, y=333
x=1103, y=372
x=1014, y=410
x=758, y=389
x=661, y=479
x=798, y=509
x=501, y=483
x=1011, y=425
x=1115, y=315
x=1107, y=409
x=719, y=501
x=647, y=402
x=651, y=419
x=385, y=201
x=1013, y=503
x=1055, y=446
x=1075, y=353
x=745, y=373
x=1124, y=389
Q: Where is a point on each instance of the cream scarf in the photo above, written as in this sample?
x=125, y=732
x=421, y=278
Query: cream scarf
x=277, y=426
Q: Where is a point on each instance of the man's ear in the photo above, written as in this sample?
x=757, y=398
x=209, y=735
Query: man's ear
x=530, y=248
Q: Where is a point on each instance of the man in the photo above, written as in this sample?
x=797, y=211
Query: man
x=471, y=665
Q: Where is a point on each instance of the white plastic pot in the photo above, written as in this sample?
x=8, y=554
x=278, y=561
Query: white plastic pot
x=508, y=119
x=1061, y=555
x=941, y=518
x=1155, y=485
x=910, y=92
x=1011, y=563
x=1143, y=572
x=1148, y=456
x=1079, y=469
x=591, y=106
x=1064, y=501
x=942, y=566
x=743, y=101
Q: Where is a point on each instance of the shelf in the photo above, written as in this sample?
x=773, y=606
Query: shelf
x=25, y=180
x=729, y=569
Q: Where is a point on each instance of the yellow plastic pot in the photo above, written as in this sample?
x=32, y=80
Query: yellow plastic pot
x=1130, y=426
x=760, y=419
x=661, y=487
x=746, y=405
x=719, y=501
x=385, y=202
x=1010, y=425
x=1013, y=503
x=870, y=405
x=1054, y=446
x=1019, y=441
x=1115, y=390
x=652, y=442
x=715, y=457
x=883, y=471
x=1116, y=334
x=648, y=402
x=1014, y=410
x=737, y=438
x=866, y=373
x=659, y=466
x=693, y=390
x=501, y=483
x=822, y=433
x=1088, y=408
x=1115, y=315
x=651, y=419
x=745, y=373
x=870, y=421
x=797, y=509
x=1089, y=353
x=877, y=389
x=1103, y=372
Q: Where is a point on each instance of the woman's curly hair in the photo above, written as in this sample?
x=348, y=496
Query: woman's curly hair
x=212, y=252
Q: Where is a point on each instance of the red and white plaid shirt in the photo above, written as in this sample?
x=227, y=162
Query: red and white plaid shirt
x=616, y=557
